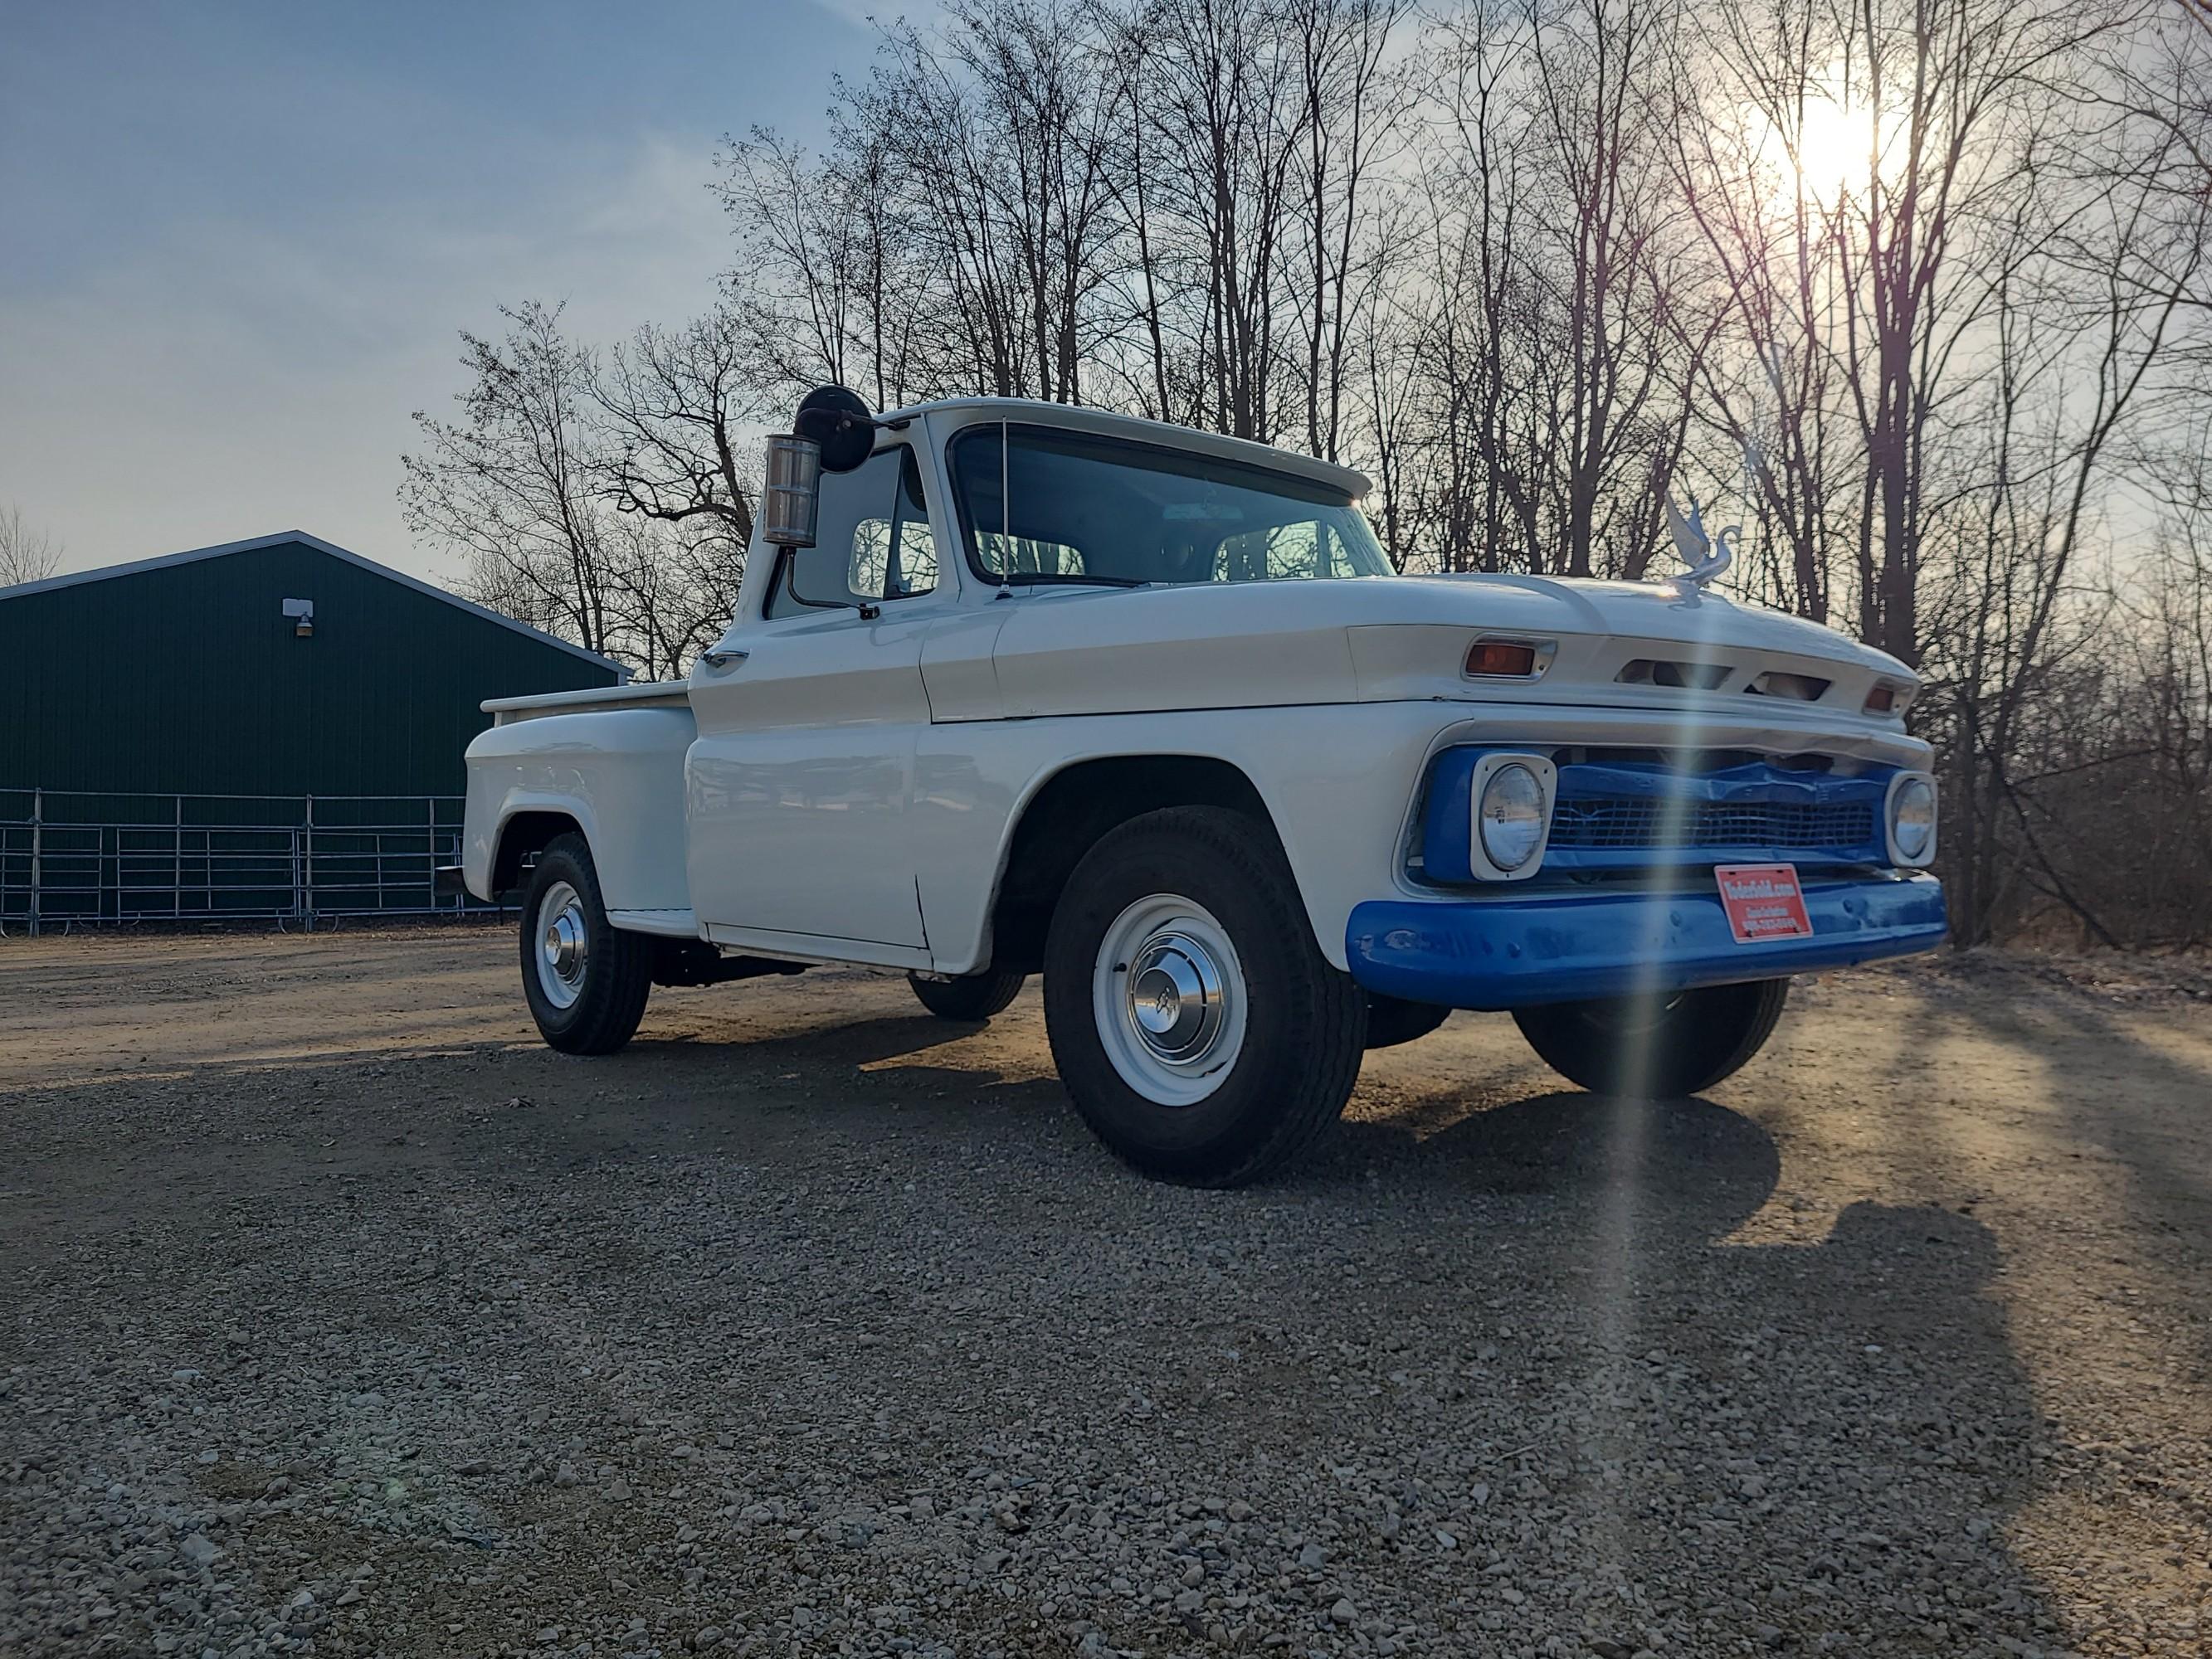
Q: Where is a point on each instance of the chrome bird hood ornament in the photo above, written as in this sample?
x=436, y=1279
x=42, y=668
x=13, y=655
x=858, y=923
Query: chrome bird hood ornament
x=1706, y=557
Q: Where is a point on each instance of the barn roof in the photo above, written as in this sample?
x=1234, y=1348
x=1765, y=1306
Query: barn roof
x=283, y=537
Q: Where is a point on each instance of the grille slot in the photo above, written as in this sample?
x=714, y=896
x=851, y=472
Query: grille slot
x=1624, y=823
x=1805, y=687
x=1682, y=676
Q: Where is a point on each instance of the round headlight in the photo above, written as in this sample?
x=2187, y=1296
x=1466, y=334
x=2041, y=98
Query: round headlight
x=1912, y=819
x=1512, y=814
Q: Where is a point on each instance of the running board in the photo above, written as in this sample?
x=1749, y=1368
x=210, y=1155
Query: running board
x=667, y=923
x=820, y=949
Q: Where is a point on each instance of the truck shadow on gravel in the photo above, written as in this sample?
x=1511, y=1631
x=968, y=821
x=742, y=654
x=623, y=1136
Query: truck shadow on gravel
x=1717, y=1166
x=1812, y=1435
x=1574, y=1327
x=2142, y=1118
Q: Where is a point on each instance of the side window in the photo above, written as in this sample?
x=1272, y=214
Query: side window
x=872, y=540
x=910, y=562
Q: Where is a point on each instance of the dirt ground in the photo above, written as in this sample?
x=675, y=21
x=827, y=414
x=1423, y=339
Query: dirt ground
x=337, y=1315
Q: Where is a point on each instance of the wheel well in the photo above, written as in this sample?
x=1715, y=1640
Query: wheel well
x=1066, y=819
x=523, y=837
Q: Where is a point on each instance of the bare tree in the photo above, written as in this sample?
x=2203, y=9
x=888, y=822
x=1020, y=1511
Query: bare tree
x=1944, y=88
x=1353, y=112
x=1552, y=288
x=676, y=403
x=509, y=486
x=1749, y=163
x=1466, y=485
x=1924, y=283
x=824, y=290
x=1594, y=86
x=603, y=500
x=1230, y=118
x=2099, y=301
x=27, y=555
x=999, y=124
x=670, y=595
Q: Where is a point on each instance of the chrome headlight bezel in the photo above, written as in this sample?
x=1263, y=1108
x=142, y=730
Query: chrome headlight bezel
x=1906, y=791
x=1543, y=777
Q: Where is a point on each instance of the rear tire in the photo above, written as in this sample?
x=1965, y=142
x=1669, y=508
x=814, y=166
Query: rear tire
x=1392, y=1020
x=586, y=979
x=970, y=997
x=1656, y=1048
x=1197, y=1027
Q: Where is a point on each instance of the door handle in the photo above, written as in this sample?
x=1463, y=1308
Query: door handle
x=720, y=659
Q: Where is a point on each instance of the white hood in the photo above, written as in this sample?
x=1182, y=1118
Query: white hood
x=1082, y=650
x=1644, y=610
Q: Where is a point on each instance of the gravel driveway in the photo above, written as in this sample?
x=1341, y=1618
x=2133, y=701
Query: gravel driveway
x=338, y=1316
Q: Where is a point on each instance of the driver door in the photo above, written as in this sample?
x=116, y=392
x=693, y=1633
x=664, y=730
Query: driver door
x=801, y=778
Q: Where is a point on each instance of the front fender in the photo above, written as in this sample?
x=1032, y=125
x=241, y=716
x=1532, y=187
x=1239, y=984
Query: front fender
x=1335, y=781
x=1339, y=781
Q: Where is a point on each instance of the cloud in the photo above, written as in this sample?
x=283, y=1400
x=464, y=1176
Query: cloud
x=236, y=246
x=232, y=376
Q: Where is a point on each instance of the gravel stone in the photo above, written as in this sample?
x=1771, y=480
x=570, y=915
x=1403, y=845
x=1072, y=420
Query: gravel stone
x=811, y=1326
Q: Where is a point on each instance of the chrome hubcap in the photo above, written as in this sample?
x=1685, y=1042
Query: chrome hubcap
x=565, y=945
x=1168, y=994
x=1173, y=993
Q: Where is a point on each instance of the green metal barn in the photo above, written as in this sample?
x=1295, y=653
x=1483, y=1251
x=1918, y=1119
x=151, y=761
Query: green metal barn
x=271, y=727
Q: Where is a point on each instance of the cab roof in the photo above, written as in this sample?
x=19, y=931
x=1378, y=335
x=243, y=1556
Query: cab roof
x=1135, y=428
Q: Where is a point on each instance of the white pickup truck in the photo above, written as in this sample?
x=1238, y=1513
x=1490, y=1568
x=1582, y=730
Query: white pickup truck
x=1017, y=687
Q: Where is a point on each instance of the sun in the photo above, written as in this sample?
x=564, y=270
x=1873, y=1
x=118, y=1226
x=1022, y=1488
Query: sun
x=1837, y=144
x=1830, y=144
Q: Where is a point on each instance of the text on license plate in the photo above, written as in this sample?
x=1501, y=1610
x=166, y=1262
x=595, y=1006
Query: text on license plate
x=1763, y=902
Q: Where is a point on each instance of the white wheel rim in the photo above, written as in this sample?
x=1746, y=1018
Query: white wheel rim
x=1168, y=995
x=565, y=945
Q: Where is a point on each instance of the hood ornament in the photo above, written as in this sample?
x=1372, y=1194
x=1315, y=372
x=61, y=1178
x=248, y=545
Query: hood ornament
x=1705, y=559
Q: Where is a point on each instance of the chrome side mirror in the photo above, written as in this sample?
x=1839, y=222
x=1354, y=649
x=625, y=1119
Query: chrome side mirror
x=793, y=491
x=834, y=433
x=839, y=422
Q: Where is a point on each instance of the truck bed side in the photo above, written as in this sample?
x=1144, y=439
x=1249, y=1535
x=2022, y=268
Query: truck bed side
x=612, y=761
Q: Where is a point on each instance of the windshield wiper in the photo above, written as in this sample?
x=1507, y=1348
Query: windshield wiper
x=1041, y=577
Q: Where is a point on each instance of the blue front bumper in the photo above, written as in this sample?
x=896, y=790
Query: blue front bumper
x=1523, y=947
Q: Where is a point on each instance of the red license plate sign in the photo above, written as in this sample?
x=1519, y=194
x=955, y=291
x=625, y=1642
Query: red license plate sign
x=1763, y=900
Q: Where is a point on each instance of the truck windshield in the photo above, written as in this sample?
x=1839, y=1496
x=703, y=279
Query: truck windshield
x=1103, y=512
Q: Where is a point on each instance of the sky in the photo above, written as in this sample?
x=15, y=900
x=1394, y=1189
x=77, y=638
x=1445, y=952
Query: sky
x=238, y=241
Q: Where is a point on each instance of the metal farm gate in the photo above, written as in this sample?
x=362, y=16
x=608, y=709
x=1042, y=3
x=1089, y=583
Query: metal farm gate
x=70, y=858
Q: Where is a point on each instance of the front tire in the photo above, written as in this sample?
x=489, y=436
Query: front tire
x=586, y=981
x=1197, y=1028
x=1656, y=1048
x=970, y=997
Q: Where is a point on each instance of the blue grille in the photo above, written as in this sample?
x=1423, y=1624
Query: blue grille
x=1625, y=815
x=1638, y=813
x=1794, y=825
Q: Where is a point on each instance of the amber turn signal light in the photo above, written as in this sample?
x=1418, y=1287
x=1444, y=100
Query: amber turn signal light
x=1506, y=659
x=1880, y=700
